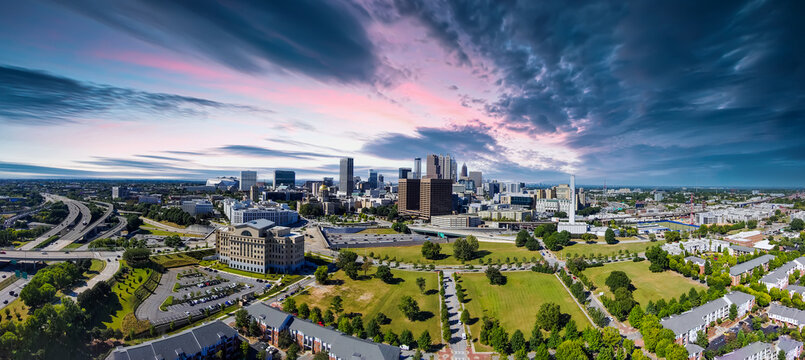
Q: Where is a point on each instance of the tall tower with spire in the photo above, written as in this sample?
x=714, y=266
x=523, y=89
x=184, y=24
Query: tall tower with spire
x=463, y=171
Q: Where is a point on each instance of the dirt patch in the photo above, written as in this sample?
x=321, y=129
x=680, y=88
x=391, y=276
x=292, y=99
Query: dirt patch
x=366, y=297
x=320, y=291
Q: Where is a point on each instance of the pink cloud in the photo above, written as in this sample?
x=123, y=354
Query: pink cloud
x=165, y=64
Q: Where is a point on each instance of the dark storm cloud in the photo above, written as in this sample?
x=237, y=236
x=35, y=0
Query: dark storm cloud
x=267, y=152
x=437, y=26
x=323, y=39
x=457, y=141
x=37, y=98
x=21, y=170
x=721, y=81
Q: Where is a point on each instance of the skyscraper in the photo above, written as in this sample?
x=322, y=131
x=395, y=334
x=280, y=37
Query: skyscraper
x=425, y=198
x=372, y=179
x=477, y=178
x=463, y=170
x=247, y=179
x=417, y=168
x=345, y=180
x=284, y=177
x=408, y=191
x=433, y=166
x=405, y=173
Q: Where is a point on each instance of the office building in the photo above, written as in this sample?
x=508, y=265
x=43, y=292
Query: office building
x=328, y=181
x=405, y=173
x=317, y=338
x=476, y=178
x=425, y=198
x=247, y=179
x=408, y=191
x=463, y=171
x=197, y=207
x=433, y=167
x=201, y=343
x=120, y=192
x=259, y=246
x=345, y=180
x=254, y=193
x=372, y=179
x=380, y=180
x=244, y=211
x=417, y=168
x=149, y=199
x=562, y=191
x=284, y=177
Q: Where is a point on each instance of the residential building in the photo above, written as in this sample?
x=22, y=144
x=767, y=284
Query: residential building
x=790, y=347
x=696, y=246
x=247, y=179
x=456, y=221
x=686, y=325
x=120, y=192
x=695, y=352
x=201, y=343
x=244, y=211
x=786, y=315
x=259, y=246
x=552, y=205
x=796, y=289
x=754, y=351
x=317, y=338
x=284, y=177
x=778, y=278
x=746, y=267
x=404, y=173
x=197, y=207
x=698, y=261
x=346, y=183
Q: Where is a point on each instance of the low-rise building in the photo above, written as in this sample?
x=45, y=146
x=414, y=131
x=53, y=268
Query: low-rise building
x=778, y=278
x=698, y=261
x=197, y=207
x=203, y=342
x=754, y=351
x=790, y=347
x=686, y=325
x=244, y=211
x=259, y=246
x=746, y=267
x=695, y=352
x=456, y=221
x=317, y=338
x=786, y=315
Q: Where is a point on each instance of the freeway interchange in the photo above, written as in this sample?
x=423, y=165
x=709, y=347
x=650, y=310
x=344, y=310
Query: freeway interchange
x=73, y=228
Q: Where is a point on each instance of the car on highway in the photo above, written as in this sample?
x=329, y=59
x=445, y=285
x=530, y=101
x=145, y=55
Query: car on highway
x=2, y=252
x=44, y=253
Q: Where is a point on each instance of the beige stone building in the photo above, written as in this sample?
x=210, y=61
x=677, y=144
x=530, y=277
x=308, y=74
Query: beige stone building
x=259, y=246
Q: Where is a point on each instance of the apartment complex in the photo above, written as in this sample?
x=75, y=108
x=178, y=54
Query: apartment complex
x=201, y=343
x=746, y=267
x=259, y=246
x=778, y=278
x=426, y=197
x=686, y=325
x=317, y=338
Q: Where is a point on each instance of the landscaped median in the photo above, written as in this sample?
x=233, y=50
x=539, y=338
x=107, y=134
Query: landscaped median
x=168, y=302
x=47, y=242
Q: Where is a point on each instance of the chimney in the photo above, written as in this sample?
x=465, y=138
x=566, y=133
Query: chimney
x=572, y=199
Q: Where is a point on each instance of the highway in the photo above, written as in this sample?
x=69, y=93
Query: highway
x=109, y=233
x=42, y=255
x=71, y=218
x=80, y=230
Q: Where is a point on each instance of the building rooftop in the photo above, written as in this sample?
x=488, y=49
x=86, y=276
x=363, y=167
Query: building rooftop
x=747, y=351
x=188, y=342
x=747, y=266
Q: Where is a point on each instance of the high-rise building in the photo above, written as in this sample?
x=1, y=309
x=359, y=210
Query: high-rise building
x=408, y=190
x=254, y=193
x=284, y=177
x=345, y=180
x=405, y=173
x=119, y=192
x=247, y=179
x=463, y=170
x=417, y=168
x=477, y=178
x=372, y=179
x=433, y=166
x=563, y=191
x=328, y=181
x=380, y=180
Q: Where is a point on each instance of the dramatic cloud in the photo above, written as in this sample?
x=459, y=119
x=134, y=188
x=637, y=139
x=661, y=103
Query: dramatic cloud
x=314, y=37
x=38, y=98
x=463, y=141
x=272, y=153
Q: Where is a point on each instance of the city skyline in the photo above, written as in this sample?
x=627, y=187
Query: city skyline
x=604, y=90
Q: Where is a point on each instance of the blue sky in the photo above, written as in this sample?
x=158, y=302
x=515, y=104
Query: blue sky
x=634, y=92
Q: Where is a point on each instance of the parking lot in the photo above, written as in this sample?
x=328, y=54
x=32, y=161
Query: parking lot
x=205, y=288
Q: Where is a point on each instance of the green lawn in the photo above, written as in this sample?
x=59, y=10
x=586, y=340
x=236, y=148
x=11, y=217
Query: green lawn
x=174, y=260
x=516, y=303
x=148, y=229
x=222, y=267
x=73, y=246
x=124, y=291
x=649, y=285
x=371, y=296
x=604, y=249
x=378, y=231
x=486, y=250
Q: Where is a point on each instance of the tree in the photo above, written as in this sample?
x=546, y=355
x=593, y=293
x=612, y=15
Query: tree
x=517, y=341
x=465, y=316
x=797, y=224
x=494, y=276
x=337, y=304
x=289, y=305
x=292, y=353
x=372, y=328
x=733, y=312
x=618, y=279
x=570, y=350
x=244, y=348
x=499, y=340
x=420, y=282
x=407, y=338
x=409, y=307
x=344, y=325
x=137, y=257
x=384, y=273
x=321, y=274
x=322, y=355
x=254, y=328
x=357, y=327
x=367, y=264
x=609, y=236
x=462, y=250
x=658, y=258
x=532, y=244
x=347, y=261
x=304, y=311
x=431, y=250
x=424, y=341
x=241, y=318
x=548, y=316
x=522, y=237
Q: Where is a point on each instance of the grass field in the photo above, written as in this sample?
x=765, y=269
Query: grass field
x=371, y=296
x=378, y=231
x=16, y=307
x=174, y=260
x=486, y=250
x=148, y=229
x=649, y=285
x=73, y=246
x=516, y=303
x=605, y=249
x=124, y=292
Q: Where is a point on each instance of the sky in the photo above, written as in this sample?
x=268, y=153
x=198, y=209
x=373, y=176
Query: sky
x=696, y=93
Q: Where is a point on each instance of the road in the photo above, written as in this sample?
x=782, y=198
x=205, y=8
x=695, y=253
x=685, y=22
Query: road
x=81, y=230
x=39, y=255
x=16, y=287
x=459, y=347
x=109, y=233
x=71, y=218
x=108, y=271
